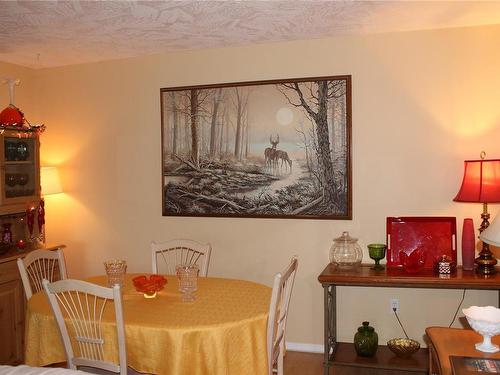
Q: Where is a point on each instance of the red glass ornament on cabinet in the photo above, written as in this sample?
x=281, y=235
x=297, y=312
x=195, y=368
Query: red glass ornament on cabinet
x=11, y=116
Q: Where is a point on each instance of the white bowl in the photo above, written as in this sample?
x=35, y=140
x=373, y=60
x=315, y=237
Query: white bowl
x=485, y=320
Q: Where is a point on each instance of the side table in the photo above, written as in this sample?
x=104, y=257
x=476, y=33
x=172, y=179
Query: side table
x=330, y=278
x=446, y=342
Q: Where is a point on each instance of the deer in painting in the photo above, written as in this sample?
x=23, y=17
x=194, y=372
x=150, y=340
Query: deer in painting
x=270, y=152
x=284, y=158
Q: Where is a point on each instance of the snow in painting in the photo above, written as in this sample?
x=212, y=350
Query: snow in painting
x=277, y=149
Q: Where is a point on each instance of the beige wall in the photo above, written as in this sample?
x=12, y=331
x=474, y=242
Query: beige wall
x=422, y=103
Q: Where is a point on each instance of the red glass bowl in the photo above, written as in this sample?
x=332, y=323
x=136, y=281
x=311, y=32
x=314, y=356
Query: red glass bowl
x=149, y=286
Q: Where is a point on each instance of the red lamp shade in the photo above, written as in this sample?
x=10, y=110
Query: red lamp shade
x=481, y=183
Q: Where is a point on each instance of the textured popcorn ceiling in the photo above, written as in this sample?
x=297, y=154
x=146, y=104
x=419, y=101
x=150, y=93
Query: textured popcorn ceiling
x=72, y=32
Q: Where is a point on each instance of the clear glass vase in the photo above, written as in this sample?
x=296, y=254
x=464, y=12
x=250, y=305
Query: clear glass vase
x=115, y=270
x=187, y=275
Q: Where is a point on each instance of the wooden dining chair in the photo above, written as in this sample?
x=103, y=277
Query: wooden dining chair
x=278, y=312
x=82, y=304
x=174, y=252
x=39, y=265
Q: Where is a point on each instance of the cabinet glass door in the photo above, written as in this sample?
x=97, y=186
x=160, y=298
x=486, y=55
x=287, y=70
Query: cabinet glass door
x=20, y=174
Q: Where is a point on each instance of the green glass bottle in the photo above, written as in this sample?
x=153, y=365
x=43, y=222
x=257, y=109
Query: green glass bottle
x=366, y=341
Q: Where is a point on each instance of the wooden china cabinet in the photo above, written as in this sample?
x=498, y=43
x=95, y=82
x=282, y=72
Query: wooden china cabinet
x=12, y=308
x=20, y=170
x=19, y=190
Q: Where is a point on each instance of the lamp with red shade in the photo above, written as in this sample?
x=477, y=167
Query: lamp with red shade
x=481, y=184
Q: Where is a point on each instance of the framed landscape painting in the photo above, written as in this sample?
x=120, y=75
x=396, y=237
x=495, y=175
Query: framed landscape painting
x=270, y=149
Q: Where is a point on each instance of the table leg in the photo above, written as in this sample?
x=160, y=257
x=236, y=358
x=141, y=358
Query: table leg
x=330, y=324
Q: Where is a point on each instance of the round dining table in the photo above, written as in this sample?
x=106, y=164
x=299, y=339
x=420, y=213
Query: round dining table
x=222, y=332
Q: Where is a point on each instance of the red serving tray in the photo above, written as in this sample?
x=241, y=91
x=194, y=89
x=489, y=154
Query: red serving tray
x=436, y=235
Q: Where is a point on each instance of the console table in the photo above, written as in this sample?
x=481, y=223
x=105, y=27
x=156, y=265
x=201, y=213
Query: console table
x=364, y=276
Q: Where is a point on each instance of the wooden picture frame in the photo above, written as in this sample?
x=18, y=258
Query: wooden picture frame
x=268, y=149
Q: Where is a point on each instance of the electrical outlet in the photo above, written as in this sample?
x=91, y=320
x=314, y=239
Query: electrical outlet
x=394, y=304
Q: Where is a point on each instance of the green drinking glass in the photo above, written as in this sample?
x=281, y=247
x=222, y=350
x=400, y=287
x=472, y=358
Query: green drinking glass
x=377, y=253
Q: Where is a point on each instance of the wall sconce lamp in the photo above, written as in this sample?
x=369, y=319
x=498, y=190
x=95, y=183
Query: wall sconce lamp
x=481, y=184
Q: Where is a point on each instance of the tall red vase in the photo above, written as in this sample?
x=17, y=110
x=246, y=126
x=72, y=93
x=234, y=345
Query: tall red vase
x=468, y=245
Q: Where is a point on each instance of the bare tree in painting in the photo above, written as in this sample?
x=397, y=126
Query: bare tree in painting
x=175, y=123
x=313, y=97
x=192, y=108
x=187, y=131
x=166, y=126
x=226, y=137
x=338, y=121
x=213, y=124
x=306, y=146
x=195, y=155
x=221, y=130
x=247, y=124
x=240, y=102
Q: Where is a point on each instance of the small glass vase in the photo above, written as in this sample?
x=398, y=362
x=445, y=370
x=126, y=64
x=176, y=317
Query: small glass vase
x=187, y=275
x=366, y=340
x=115, y=270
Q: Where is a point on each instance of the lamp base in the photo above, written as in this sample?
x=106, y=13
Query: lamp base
x=486, y=262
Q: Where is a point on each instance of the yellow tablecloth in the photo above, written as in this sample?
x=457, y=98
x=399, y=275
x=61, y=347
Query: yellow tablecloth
x=222, y=332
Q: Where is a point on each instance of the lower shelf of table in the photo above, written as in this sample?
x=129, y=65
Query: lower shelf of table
x=345, y=360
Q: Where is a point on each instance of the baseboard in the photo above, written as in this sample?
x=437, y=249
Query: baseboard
x=301, y=347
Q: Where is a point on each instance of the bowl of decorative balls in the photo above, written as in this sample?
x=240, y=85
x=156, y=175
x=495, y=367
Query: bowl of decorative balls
x=403, y=347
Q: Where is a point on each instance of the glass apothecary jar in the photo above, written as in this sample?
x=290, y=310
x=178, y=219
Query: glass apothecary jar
x=366, y=340
x=345, y=252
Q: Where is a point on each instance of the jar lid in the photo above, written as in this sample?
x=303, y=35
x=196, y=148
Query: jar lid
x=345, y=238
x=366, y=327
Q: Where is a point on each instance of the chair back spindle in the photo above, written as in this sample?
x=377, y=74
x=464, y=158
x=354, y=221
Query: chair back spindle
x=167, y=255
x=39, y=265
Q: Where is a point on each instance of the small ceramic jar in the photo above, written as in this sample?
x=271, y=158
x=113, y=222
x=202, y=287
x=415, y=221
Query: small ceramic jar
x=366, y=341
x=445, y=265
